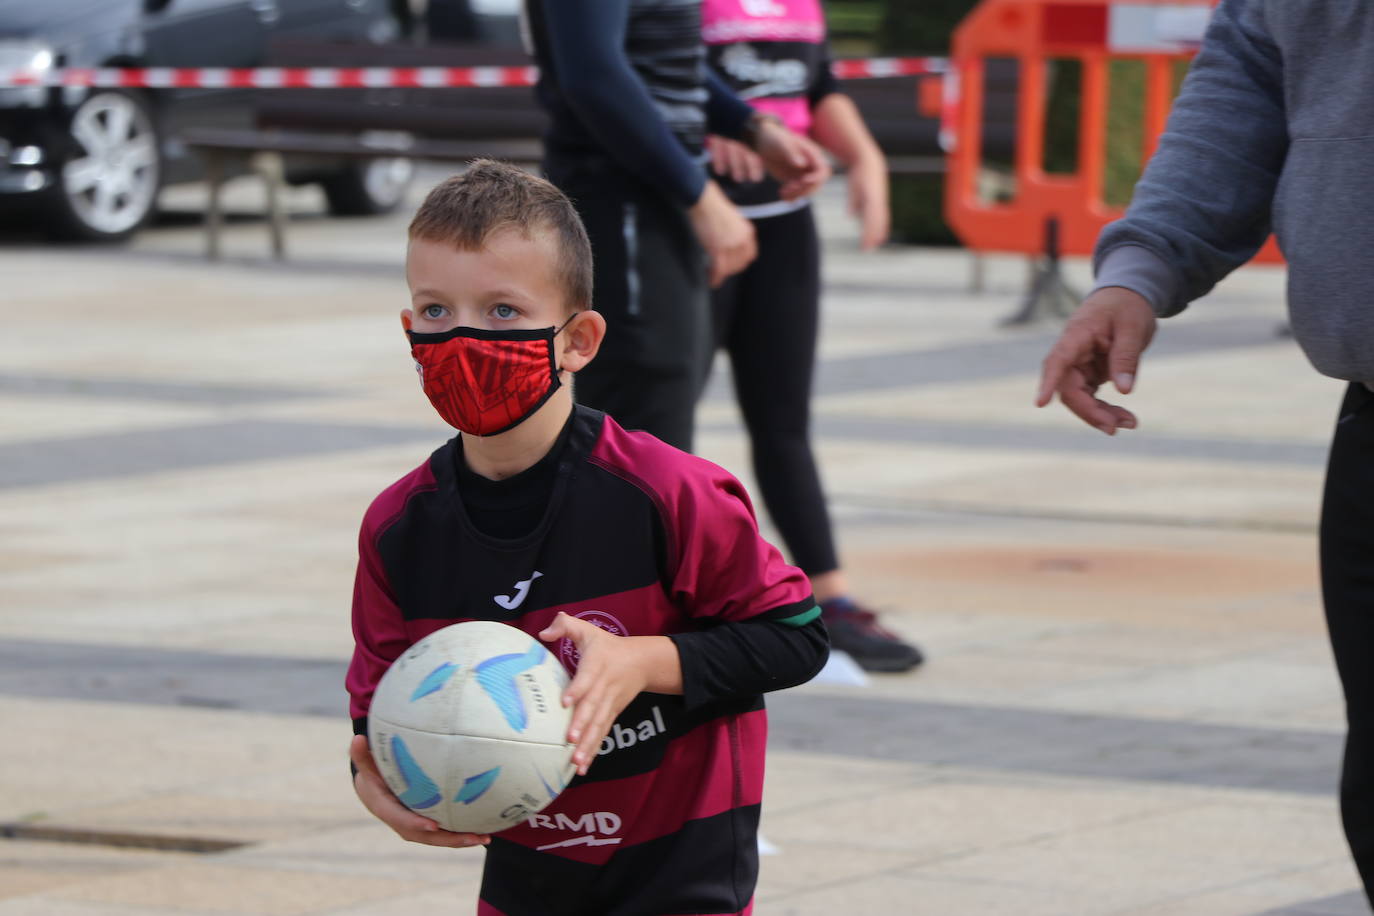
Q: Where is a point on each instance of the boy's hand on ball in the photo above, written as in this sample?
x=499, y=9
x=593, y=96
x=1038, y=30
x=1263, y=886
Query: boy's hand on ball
x=378, y=798
x=613, y=670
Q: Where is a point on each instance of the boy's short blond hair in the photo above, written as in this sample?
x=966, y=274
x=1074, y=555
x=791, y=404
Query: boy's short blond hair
x=465, y=209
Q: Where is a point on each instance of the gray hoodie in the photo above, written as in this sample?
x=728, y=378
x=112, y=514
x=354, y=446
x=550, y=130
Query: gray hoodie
x=1274, y=127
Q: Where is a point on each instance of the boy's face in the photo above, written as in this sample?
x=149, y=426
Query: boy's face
x=510, y=283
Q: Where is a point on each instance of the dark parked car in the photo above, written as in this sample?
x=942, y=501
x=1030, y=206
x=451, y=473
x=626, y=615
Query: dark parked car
x=91, y=161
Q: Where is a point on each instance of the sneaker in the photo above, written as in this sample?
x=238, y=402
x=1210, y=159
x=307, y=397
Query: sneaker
x=856, y=631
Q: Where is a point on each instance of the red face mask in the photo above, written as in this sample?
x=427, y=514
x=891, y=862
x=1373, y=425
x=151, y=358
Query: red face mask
x=486, y=382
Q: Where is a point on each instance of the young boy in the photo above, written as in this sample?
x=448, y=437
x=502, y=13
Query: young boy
x=640, y=566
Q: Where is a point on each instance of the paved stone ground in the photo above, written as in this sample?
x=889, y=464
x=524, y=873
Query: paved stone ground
x=1129, y=707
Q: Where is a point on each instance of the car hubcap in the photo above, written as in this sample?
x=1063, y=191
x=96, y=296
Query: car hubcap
x=111, y=183
x=387, y=179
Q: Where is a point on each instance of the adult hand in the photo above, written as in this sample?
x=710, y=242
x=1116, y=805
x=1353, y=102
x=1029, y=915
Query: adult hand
x=611, y=672
x=732, y=159
x=868, y=202
x=1102, y=341
x=724, y=232
x=386, y=807
x=795, y=161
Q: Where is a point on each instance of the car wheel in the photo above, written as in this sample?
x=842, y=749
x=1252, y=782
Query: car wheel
x=107, y=186
x=369, y=188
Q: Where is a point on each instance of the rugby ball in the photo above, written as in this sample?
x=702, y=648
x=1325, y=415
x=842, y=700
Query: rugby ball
x=468, y=727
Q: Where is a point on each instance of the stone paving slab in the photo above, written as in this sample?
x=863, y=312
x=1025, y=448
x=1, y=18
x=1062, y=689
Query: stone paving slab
x=1129, y=706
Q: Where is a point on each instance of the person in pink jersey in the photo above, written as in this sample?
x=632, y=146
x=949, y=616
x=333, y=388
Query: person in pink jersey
x=773, y=54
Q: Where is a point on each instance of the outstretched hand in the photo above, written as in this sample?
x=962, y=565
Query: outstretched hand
x=377, y=798
x=1102, y=342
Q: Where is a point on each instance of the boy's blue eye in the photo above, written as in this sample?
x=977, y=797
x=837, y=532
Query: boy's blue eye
x=505, y=312
x=433, y=312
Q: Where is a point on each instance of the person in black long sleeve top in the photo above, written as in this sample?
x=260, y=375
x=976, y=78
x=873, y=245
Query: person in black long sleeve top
x=631, y=99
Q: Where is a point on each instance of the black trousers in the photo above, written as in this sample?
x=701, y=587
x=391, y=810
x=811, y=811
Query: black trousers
x=767, y=319
x=1347, y=561
x=650, y=284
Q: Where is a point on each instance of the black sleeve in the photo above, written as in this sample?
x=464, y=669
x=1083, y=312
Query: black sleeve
x=586, y=47
x=749, y=657
x=823, y=82
x=726, y=113
x=359, y=728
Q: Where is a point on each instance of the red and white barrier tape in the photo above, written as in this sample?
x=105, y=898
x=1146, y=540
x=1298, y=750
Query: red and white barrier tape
x=272, y=77
x=366, y=77
x=878, y=67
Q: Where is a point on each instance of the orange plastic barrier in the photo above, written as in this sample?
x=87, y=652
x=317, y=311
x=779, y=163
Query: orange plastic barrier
x=1057, y=213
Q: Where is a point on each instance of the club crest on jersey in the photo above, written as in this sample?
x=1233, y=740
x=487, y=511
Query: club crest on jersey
x=567, y=650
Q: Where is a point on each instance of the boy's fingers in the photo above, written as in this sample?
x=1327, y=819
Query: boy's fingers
x=557, y=629
x=582, y=708
x=592, y=737
x=361, y=756
x=445, y=838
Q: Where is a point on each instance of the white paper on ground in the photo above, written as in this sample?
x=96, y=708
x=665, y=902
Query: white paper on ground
x=841, y=669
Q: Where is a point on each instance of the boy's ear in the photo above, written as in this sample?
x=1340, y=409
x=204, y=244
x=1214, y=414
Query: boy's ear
x=582, y=338
x=407, y=317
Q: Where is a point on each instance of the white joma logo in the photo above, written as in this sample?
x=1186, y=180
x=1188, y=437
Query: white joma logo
x=522, y=588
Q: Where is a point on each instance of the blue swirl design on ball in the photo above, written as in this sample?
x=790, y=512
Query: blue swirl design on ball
x=497, y=675
x=474, y=787
x=434, y=681
x=421, y=791
x=553, y=793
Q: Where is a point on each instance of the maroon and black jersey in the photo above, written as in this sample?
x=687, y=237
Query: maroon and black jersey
x=640, y=539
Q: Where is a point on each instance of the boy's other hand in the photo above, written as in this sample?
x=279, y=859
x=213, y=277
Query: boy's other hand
x=613, y=670
x=1102, y=342
x=795, y=161
x=386, y=807
x=724, y=232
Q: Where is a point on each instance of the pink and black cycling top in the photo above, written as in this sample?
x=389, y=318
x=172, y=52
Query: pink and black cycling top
x=773, y=54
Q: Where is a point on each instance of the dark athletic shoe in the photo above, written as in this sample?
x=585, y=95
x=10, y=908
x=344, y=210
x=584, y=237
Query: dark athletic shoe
x=856, y=630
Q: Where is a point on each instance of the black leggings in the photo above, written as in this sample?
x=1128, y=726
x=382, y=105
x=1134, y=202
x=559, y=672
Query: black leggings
x=1347, y=561
x=651, y=287
x=767, y=318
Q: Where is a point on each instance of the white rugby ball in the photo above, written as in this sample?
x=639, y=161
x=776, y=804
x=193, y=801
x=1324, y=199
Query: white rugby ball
x=468, y=727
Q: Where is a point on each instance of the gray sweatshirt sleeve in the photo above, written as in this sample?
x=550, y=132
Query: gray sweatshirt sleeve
x=1202, y=207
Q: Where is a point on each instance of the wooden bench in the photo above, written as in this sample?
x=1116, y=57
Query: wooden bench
x=460, y=124
x=300, y=127
x=264, y=153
